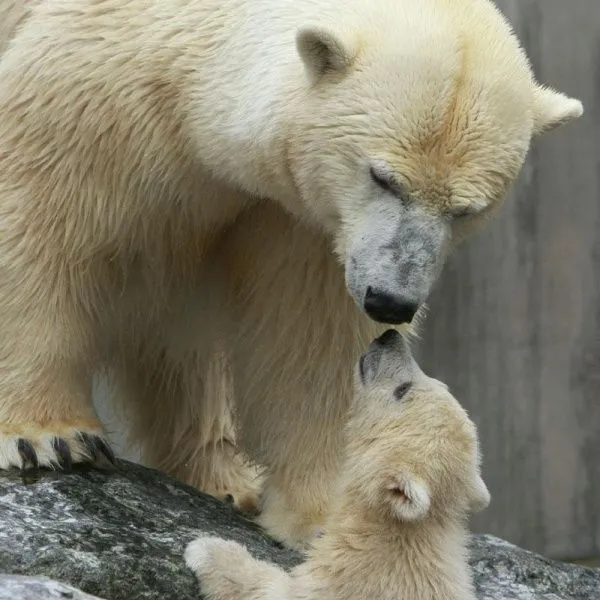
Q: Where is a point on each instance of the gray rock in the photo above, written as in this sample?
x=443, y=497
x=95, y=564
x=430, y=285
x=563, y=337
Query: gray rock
x=505, y=572
x=120, y=535
x=17, y=587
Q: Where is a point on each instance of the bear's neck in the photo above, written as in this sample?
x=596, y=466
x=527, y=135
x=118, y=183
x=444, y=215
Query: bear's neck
x=250, y=114
x=359, y=556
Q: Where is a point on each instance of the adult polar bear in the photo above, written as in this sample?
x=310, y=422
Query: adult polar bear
x=247, y=179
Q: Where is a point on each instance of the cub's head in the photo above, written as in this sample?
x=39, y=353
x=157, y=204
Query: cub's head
x=414, y=119
x=412, y=451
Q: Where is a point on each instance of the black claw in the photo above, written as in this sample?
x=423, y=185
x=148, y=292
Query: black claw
x=95, y=446
x=63, y=453
x=27, y=453
x=106, y=450
x=229, y=499
x=88, y=442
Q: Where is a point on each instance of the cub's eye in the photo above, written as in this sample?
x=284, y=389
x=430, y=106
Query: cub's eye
x=386, y=181
x=401, y=390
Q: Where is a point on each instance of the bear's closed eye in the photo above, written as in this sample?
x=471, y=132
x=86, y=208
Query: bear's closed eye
x=401, y=390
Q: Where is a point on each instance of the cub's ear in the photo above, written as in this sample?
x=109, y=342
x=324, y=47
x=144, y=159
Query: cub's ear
x=479, y=496
x=552, y=109
x=323, y=50
x=409, y=497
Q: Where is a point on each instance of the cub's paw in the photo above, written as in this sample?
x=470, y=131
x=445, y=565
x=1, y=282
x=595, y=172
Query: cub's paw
x=53, y=445
x=204, y=552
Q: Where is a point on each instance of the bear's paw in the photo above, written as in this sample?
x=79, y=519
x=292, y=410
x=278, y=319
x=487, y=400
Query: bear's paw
x=56, y=445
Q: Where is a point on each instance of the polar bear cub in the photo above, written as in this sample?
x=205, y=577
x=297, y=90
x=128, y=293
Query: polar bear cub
x=397, y=526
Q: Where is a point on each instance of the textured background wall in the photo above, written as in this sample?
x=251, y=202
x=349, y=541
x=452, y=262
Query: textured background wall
x=514, y=325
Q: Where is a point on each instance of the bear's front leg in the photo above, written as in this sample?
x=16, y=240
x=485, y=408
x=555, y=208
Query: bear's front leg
x=298, y=337
x=51, y=425
x=46, y=415
x=181, y=407
x=227, y=571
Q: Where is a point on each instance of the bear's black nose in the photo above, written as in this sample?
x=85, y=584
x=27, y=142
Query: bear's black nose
x=388, y=308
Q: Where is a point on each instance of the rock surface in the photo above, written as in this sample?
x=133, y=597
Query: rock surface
x=120, y=535
x=505, y=572
x=17, y=587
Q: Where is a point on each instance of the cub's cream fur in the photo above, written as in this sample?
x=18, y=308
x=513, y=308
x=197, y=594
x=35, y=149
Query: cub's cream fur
x=201, y=195
x=397, y=526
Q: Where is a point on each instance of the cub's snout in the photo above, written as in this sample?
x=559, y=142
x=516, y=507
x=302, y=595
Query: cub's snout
x=387, y=339
x=387, y=357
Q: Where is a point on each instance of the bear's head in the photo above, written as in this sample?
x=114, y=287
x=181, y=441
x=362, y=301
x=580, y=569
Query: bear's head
x=414, y=120
x=412, y=451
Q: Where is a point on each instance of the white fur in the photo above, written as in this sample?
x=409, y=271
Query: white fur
x=9, y=455
x=415, y=500
x=552, y=109
x=198, y=553
x=184, y=183
x=232, y=558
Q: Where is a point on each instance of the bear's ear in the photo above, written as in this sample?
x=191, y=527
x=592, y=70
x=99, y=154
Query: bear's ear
x=479, y=496
x=323, y=50
x=409, y=497
x=552, y=109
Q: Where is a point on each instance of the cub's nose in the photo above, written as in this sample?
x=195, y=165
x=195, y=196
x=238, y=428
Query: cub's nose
x=388, y=308
x=387, y=338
